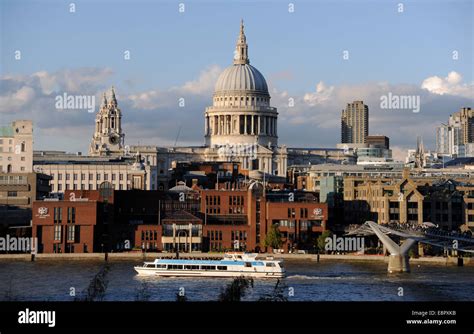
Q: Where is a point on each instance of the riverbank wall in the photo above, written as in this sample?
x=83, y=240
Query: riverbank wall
x=138, y=256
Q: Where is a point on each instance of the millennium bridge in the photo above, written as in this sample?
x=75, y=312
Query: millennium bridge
x=427, y=233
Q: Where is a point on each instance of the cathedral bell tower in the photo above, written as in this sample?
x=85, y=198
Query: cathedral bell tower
x=108, y=138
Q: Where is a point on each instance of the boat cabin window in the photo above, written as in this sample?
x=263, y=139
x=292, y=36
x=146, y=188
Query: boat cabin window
x=175, y=266
x=150, y=265
x=221, y=267
x=248, y=264
x=208, y=267
x=271, y=264
x=191, y=267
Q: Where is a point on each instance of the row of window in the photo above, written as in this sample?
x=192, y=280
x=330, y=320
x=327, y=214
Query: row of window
x=189, y=267
x=236, y=200
x=98, y=176
x=71, y=233
x=214, y=235
x=10, y=158
x=58, y=215
x=239, y=235
x=213, y=200
x=215, y=210
x=9, y=169
x=149, y=235
x=89, y=186
x=236, y=98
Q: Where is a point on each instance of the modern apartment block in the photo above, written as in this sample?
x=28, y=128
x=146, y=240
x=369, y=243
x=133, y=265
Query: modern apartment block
x=456, y=138
x=355, y=123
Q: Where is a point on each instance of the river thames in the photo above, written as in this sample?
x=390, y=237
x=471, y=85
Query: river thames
x=306, y=280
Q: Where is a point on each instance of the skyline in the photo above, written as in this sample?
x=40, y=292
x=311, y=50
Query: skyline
x=164, y=67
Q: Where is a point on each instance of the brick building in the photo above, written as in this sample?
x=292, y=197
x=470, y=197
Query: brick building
x=77, y=224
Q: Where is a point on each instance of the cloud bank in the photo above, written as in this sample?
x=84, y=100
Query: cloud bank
x=156, y=116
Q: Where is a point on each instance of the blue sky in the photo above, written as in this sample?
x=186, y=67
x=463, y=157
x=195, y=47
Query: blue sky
x=295, y=51
x=168, y=47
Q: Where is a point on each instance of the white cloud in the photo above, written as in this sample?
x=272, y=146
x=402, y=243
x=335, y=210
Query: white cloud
x=322, y=94
x=205, y=83
x=153, y=116
x=16, y=100
x=450, y=85
x=203, y=86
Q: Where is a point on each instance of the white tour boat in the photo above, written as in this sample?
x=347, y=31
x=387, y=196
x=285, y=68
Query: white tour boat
x=232, y=265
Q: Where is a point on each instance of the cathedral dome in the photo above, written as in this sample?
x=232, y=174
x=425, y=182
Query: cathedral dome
x=241, y=77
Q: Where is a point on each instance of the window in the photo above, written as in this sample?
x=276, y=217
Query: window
x=71, y=215
x=60, y=177
x=12, y=194
x=57, y=232
x=70, y=232
x=83, y=176
x=106, y=177
x=98, y=177
x=60, y=187
x=74, y=176
x=67, y=176
x=121, y=177
x=58, y=214
x=91, y=176
x=113, y=177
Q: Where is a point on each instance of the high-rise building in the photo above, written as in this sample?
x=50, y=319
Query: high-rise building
x=457, y=136
x=466, y=117
x=355, y=123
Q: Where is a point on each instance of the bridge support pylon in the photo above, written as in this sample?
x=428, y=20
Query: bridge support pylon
x=398, y=260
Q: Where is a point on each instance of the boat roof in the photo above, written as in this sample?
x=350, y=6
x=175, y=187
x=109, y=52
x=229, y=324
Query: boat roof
x=208, y=262
x=211, y=262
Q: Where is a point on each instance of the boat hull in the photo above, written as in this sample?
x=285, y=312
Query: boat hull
x=206, y=273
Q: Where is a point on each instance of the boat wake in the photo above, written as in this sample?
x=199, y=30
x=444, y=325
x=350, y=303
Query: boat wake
x=307, y=277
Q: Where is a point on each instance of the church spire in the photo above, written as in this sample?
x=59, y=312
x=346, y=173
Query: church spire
x=113, y=100
x=241, y=54
x=104, y=100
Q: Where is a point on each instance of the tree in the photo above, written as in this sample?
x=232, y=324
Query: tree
x=273, y=238
x=321, y=241
x=236, y=290
x=97, y=286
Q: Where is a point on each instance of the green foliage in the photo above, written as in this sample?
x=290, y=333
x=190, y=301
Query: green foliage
x=273, y=238
x=236, y=290
x=321, y=241
x=97, y=287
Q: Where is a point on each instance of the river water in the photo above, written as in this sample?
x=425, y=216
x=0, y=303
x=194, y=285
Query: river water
x=307, y=280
